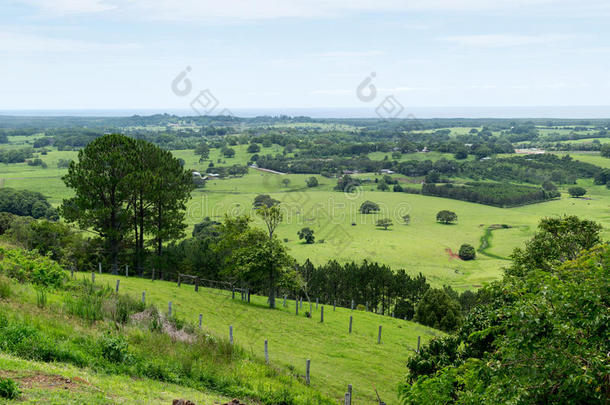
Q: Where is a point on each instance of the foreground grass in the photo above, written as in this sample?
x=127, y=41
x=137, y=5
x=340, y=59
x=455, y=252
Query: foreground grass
x=59, y=383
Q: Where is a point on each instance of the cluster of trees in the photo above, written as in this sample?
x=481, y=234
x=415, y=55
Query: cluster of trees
x=496, y=194
x=131, y=193
x=540, y=335
x=26, y=203
x=15, y=155
x=384, y=291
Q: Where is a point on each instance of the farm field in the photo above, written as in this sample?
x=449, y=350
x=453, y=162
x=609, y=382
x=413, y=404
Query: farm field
x=348, y=235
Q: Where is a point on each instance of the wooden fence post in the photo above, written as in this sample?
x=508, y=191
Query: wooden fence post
x=307, y=366
x=352, y=305
x=179, y=280
x=379, y=336
x=301, y=303
x=334, y=305
x=92, y=277
x=349, y=391
x=248, y=294
x=126, y=270
x=316, y=303
x=350, y=323
x=367, y=306
x=233, y=294
x=197, y=284
x=231, y=334
x=153, y=275
x=297, y=305
x=144, y=297
x=266, y=352
x=418, y=341
x=169, y=309
x=347, y=400
x=200, y=319
x=117, y=286
x=322, y=314
x=99, y=267
x=72, y=271
x=284, y=301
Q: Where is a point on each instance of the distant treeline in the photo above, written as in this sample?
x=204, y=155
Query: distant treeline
x=496, y=194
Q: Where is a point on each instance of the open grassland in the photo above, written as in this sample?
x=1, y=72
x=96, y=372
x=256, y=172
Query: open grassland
x=348, y=235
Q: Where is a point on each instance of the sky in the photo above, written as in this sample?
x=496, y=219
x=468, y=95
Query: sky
x=216, y=55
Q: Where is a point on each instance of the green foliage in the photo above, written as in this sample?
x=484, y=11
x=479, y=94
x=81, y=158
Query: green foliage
x=577, y=191
x=26, y=266
x=311, y=182
x=368, y=207
x=228, y=152
x=264, y=200
x=114, y=348
x=446, y=217
x=467, y=252
x=9, y=389
x=253, y=148
x=605, y=150
x=5, y=287
x=495, y=194
x=306, y=234
x=557, y=240
x=26, y=203
x=384, y=223
x=347, y=184
x=438, y=310
x=537, y=336
x=406, y=219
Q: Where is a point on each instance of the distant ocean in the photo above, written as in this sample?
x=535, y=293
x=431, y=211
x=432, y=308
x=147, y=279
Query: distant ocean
x=577, y=112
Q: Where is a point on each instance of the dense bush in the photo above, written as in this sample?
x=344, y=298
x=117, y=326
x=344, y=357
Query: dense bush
x=368, y=207
x=496, y=194
x=26, y=203
x=467, y=252
x=9, y=388
x=26, y=266
x=539, y=336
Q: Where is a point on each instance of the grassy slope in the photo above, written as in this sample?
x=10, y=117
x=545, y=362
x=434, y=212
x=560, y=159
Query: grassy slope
x=88, y=387
x=337, y=358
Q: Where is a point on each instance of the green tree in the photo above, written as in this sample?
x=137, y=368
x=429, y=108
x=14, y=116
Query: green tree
x=228, y=152
x=369, y=207
x=203, y=150
x=384, y=223
x=253, y=148
x=285, y=182
x=103, y=194
x=406, y=219
x=272, y=216
x=264, y=200
x=306, y=234
x=467, y=252
x=577, y=191
x=446, y=217
x=557, y=240
x=438, y=310
x=605, y=150
x=312, y=182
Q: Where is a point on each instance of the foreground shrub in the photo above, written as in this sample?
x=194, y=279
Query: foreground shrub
x=9, y=389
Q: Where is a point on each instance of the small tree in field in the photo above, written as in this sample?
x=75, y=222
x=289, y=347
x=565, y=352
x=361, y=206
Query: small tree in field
x=312, y=182
x=467, y=252
x=446, y=217
x=307, y=234
x=406, y=219
x=384, y=223
x=368, y=207
x=286, y=182
x=577, y=192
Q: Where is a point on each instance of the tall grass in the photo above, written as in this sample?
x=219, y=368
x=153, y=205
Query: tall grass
x=5, y=288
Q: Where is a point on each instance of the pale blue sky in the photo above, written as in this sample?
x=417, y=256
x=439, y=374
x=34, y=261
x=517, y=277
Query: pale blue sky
x=69, y=54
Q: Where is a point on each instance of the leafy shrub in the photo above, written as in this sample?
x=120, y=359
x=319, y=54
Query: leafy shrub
x=114, y=348
x=30, y=267
x=467, y=252
x=9, y=388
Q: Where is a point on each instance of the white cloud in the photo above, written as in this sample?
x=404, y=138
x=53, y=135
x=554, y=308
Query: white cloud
x=507, y=40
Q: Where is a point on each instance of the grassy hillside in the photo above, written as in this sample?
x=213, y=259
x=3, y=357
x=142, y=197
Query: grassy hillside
x=337, y=357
